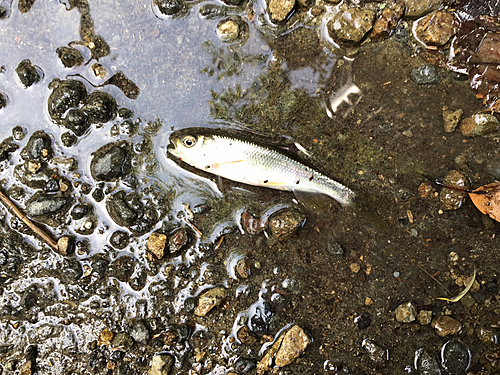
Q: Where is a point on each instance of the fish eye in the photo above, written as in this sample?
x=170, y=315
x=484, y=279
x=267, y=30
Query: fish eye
x=189, y=141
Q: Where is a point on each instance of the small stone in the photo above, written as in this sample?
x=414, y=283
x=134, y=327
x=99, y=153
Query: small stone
x=426, y=362
x=34, y=166
x=243, y=268
x=178, y=239
x=387, y=22
x=111, y=162
x=285, y=224
x=425, y=190
x=350, y=25
x=65, y=245
x=293, y=345
x=209, y=300
x=69, y=56
x=232, y=29
x=479, y=124
x=453, y=199
x=123, y=341
x=105, y=337
x=246, y=336
x=436, y=28
x=446, y=325
x=296, y=343
x=280, y=9
x=169, y=7
x=156, y=244
x=139, y=332
x=489, y=49
x=27, y=368
x=487, y=336
x=424, y=317
x=368, y=301
x=425, y=75
x=418, y=8
x=251, y=224
x=377, y=354
x=161, y=364
x=18, y=133
x=451, y=119
x=355, y=267
x=28, y=73
x=406, y=312
x=119, y=239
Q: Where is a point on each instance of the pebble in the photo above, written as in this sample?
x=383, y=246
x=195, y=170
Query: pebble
x=453, y=199
x=100, y=107
x=28, y=73
x=417, y=8
x=446, y=325
x=486, y=335
x=41, y=204
x=161, y=364
x=355, y=267
x=479, y=124
x=156, y=244
x=119, y=239
x=350, y=25
x=105, y=337
x=436, y=28
x=7, y=147
x=69, y=56
x=232, y=29
x=18, y=132
x=209, y=300
x=170, y=7
x=246, y=336
x=406, y=312
x=451, y=119
x=139, y=332
x=489, y=49
x=178, y=239
x=286, y=348
x=285, y=224
x=376, y=353
x=387, y=21
x=424, y=317
x=66, y=94
x=425, y=75
x=65, y=245
x=280, y=9
x=243, y=268
x=251, y=224
x=111, y=161
x=39, y=147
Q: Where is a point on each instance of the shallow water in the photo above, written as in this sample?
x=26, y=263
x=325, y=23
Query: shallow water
x=383, y=143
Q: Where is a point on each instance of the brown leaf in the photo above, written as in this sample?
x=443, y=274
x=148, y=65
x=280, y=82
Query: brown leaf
x=487, y=200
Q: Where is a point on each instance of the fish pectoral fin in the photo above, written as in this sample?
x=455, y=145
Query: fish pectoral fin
x=315, y=201
x=218, y=165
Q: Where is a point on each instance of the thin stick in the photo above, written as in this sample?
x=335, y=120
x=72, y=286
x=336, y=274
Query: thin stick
x=27, y=221
x=428, y=274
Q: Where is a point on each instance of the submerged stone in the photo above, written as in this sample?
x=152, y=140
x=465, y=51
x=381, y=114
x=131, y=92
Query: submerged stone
x=280, y=9
x=209, y=300
x=436, y=29
x=418, y=8
x=446, y=325
x=350, y=25
x=479, y=124
x=111, y=161
x=285, y=224
x=27, y=73
x=38, y=147
x=100, y=107
x=406, y=312
x=67, y=94
x=453, y=199
x=170, y=7
x=69, y=56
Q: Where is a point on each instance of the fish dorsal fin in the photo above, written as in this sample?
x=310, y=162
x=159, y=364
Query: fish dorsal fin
x=315, y=201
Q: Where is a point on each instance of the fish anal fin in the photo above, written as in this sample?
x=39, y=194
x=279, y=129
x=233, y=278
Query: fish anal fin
x=315, y=201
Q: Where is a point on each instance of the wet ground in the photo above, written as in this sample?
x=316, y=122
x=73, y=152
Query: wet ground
x=136, y=240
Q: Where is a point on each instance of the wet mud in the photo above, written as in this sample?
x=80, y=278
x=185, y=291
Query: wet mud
x=116, y=259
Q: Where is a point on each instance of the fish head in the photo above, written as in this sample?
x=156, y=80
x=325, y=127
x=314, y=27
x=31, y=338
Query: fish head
x=189, y=147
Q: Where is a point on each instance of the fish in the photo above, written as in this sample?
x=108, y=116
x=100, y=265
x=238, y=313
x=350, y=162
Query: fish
x=231, y=154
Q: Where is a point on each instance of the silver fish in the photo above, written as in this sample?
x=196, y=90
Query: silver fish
x=228, y=154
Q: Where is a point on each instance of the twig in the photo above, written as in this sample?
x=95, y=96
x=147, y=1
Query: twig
x=27, y=221
x=427, y=273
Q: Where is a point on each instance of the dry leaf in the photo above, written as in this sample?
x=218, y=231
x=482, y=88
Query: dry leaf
x=487, y=199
